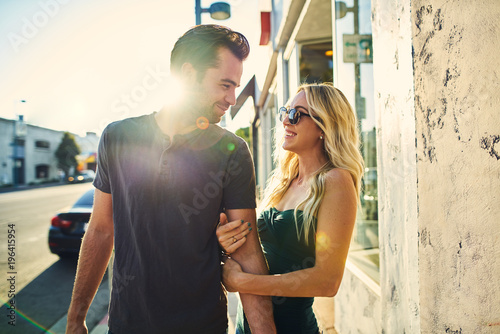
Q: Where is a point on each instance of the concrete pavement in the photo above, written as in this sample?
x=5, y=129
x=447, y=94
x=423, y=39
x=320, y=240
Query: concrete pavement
x=323, y=308
x=97, y=312
x=232, y=299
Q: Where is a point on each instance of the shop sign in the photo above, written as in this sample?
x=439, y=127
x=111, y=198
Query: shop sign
x=357, y=48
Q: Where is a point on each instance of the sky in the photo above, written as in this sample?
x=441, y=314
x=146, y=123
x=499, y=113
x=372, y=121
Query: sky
x=79, y=65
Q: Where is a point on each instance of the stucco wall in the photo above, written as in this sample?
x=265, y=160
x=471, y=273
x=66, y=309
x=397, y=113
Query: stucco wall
x=357, y=306
x=457, y=101
x=397, y=185
x=396, y=309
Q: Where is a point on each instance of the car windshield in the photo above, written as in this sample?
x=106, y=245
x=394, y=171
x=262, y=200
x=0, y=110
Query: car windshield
x=86, y=200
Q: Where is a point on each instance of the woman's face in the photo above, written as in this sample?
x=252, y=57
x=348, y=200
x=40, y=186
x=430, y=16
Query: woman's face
x=305, y=135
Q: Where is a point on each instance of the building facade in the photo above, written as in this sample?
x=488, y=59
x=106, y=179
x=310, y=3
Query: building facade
x=422, y=76
x=27, y=153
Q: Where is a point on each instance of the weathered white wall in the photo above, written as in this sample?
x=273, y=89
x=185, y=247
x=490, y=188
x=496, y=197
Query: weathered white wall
x=457, y=100
x=397, y=175
x=357, y=306
x=396, y=310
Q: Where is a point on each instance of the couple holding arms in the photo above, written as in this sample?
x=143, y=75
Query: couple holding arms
x=157, y=203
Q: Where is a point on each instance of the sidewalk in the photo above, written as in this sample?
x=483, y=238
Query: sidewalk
x=102, y=326
x=22, y=187
x=232, y=299
x=325, y=313
x=323, y=308
x=97, y=310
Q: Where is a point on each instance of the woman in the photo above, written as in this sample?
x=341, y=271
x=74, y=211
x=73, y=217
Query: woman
x=308, y=211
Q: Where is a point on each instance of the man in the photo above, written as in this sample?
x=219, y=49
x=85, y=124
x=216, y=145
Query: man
x=162, y=181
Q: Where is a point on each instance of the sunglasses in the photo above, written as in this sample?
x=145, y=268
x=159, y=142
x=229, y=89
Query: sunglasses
x=293, y=115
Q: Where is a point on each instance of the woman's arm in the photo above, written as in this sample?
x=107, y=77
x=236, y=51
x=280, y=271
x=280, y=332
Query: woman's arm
x=258, y=309
x=336, y=219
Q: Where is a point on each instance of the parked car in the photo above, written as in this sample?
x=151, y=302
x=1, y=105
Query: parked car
x=67, y=228
x=83, y=176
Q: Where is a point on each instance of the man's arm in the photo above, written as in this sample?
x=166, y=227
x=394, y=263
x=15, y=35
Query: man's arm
x=95, y=252
x=258, y=309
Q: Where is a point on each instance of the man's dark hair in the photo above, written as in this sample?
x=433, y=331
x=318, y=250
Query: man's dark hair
x=199, y=46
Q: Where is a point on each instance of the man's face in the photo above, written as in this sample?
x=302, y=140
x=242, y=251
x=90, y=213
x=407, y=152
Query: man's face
x=216, y=92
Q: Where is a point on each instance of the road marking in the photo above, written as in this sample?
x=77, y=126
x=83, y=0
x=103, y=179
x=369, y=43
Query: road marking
x=32, y=239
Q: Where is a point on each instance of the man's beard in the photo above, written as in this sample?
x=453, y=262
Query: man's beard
x=203, y=107
x=201, y=114
x=210, y=114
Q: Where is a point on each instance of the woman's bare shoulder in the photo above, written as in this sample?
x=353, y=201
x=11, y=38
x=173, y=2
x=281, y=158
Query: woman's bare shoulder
x=339, y=177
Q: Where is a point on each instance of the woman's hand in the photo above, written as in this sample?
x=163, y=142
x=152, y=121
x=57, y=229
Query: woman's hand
x=232, y=235
x=230, y=271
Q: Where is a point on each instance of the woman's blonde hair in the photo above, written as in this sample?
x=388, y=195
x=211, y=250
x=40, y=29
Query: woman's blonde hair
x=338, y=122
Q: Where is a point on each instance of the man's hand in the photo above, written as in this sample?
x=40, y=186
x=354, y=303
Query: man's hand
x=76, y=328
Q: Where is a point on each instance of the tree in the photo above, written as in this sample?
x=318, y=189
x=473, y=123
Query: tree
x=66, y=153
x=245, y=134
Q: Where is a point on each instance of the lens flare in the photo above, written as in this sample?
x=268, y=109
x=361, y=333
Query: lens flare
x=322, y=241
x=202, y=123
x=27, y=318
x=175, y=90
x=230, y=147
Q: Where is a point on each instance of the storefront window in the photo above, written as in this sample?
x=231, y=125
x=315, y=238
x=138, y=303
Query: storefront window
x=316, y=62
x=353, y=75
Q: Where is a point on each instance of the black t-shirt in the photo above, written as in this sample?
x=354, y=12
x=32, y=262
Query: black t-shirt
x=167, y=196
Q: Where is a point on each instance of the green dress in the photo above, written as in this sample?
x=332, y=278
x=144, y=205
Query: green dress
x=285, y=253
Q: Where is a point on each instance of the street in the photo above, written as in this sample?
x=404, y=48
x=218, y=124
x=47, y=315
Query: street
x=36, y=282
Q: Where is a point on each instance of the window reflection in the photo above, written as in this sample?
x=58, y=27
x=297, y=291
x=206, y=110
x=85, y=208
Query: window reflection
x=354, y=77
x=316, y=62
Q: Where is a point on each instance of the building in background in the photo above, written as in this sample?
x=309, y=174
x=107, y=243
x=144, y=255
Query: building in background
x=87, y=160
x=27, y=153
x=422, y=77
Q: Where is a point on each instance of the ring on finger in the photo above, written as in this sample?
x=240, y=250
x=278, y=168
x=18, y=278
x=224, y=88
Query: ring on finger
x=234, y=240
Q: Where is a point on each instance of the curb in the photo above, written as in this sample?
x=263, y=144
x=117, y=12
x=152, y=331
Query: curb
x=95, y=321
x=101, y=327
x=29, y=187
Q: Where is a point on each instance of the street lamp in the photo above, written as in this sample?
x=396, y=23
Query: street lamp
x=16, y=102
x=341, y=9
x=19, y=125
x=218, y=11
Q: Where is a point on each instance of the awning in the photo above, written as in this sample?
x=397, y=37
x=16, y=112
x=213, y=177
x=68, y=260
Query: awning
x=265, y=27
x=249, y=90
